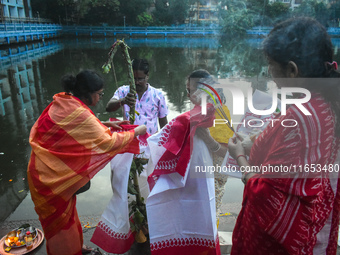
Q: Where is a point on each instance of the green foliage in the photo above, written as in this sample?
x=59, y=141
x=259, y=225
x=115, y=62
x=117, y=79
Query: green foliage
x=81, y=12
x=322, y=13
x=49, y=9
x=317, y=10
x=236, y=22
x=257, y=5
x=276, y=12
x=239, y=59
x=239, y=17
x=66, y=2
x=82, y=8
x=137, y=208
x=170, y=12
x=101, y=12
x=161, y=13
x=306, y=8
x=179, y=11
x=111, y=4
x=335, y=10
x=131, y=9
x=144, y=20
x=139, y=217
x=241, y=14
x=276, y=9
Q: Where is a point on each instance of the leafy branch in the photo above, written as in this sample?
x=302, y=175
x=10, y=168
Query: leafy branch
x=137, y=208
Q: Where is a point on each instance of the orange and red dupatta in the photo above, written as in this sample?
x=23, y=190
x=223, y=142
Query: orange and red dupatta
x=69, y=146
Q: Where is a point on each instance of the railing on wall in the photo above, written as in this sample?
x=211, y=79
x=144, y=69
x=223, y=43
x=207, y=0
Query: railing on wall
x=23, y=32
x=140, y=31
x=24, y=20
x=263, y=31
x=28, y=28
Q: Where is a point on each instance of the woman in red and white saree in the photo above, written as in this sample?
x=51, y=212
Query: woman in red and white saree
x=295, y=208
x=69, y=146
x=181, y=205
x=288, y=215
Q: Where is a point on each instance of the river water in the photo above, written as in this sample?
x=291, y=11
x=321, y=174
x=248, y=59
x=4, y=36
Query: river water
x=30, y=76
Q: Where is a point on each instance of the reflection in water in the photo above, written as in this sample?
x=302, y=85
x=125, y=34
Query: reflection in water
x=20, y=104
x=29, y=81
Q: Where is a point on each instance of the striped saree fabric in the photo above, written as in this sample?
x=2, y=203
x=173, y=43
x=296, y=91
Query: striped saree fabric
x=69, y=146
x=293, y=212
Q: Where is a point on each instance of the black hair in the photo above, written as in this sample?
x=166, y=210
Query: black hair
x=83, y=84
x=204, y=74
x=140, y=65
x=199, y=73
x=306, y=42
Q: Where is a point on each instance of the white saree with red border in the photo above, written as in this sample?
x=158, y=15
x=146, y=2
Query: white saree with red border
x=113, y=232
x=181, y=205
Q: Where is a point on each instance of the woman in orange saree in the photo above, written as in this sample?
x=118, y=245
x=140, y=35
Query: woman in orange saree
x=69, y=146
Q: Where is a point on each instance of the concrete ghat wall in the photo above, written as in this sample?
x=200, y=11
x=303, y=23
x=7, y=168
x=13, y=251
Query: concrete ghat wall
x=24, y=32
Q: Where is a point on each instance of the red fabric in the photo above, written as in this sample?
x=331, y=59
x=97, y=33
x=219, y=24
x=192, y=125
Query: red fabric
x=69, y=146
x=282, y=215
x=192, y=246
x=175, y=144
x=141, y=138
x=112, y=242
x=177, y=139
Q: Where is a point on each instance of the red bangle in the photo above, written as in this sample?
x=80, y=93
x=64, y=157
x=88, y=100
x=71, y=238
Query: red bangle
x=240, y=156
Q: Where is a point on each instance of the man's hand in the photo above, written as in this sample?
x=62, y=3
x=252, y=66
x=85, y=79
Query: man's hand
x=129, y=100
x=114, y=104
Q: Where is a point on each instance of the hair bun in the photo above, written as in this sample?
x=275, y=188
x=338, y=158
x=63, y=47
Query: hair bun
x=69, y=82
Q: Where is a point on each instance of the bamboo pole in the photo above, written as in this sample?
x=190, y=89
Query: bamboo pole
x=139, y=210
x=107, y=66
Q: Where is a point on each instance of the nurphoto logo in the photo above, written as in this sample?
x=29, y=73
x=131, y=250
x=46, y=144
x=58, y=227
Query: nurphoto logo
x=239, y=103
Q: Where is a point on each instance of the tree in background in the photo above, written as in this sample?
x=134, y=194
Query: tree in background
x=335, y=14
x=322, y=13
x=90, y=12
x=315, y=9
x=70, y=7
x=179, y=11
x=102, y=12
x=170, y=12
x=162, y=13
x=49, y=9
x=237, y=19
x=276, y=12
x=130, y=9
x=238, y=58
x=236, y=16
x=306, y=8
x=258, y=6
x=144, y=20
